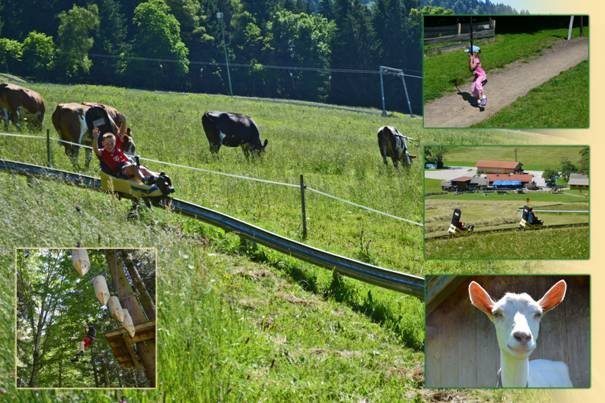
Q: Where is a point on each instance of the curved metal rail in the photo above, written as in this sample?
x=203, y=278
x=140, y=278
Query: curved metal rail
x=508, y=229
x=402, y=282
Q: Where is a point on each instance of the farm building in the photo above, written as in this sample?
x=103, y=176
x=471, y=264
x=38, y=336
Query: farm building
x=522, y=179
x=498, y=167
x=461, y=346
x=578, y=181
x=460, y=184
x=479, y=182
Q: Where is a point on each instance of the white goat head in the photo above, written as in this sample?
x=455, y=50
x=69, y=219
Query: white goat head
x=516, y=316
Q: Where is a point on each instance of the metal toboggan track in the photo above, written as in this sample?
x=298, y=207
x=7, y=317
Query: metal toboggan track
x=390, y=279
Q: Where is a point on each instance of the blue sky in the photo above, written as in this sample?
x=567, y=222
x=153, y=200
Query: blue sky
x=530, y=5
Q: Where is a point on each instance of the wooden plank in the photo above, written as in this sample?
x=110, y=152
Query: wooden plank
x=463, y=37
x=122, y=344
x=440, y=288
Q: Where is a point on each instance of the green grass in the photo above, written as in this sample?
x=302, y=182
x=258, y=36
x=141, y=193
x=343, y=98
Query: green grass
x=231, y=329
x=562, y=102
x=537, y=158
x=432, y=186
x=443, y=70
x=567, y=243
x=335, y=150
x=563, y=197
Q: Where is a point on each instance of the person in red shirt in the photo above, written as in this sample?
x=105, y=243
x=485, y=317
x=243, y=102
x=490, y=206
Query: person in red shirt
x=114, y=158
x=89, y=338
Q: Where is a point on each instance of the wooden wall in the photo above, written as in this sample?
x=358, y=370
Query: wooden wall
x=461, y=347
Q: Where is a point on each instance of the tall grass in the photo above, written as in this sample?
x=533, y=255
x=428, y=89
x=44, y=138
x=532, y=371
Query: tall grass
x=223, y=319
x=562, y=102
x=556, y=243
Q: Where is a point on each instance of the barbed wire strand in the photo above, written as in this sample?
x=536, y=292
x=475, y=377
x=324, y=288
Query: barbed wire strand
x=361, y=206
x=235, y=176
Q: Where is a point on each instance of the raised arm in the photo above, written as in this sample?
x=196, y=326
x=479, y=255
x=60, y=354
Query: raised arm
x=95, y=141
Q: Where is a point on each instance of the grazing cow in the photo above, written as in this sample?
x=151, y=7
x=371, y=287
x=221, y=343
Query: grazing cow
x=395, y=145
x=232, y=130
x=74, y=123
x=17, y=101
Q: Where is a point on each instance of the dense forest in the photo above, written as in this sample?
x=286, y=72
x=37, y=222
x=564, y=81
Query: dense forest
x=55, y=306
x=318, y=50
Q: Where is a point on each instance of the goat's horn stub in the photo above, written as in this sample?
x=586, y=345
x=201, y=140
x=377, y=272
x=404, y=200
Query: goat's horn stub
x=554, y=296
x=480, y=298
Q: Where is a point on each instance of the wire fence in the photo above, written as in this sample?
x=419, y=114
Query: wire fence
x=231, y=175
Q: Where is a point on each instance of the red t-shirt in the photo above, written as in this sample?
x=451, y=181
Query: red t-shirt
x=115, y=159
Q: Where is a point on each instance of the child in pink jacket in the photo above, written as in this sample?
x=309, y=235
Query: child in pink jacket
x=474, y=65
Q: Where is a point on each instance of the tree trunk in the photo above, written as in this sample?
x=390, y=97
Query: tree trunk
x=146, y=350
x=146, y=300
x=61, y=371
x=105, y=370
x=94, y=366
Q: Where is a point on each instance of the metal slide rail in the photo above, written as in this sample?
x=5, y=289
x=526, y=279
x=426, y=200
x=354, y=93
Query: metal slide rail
x=430, y=237
x=390, y=279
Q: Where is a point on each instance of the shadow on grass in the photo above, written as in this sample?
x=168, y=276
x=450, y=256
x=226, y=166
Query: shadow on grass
x=341, y=291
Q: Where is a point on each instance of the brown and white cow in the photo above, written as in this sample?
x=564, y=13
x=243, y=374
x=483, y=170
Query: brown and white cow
x=74, y=123
x=232, y=130
x=16, y=102
x=393, y=144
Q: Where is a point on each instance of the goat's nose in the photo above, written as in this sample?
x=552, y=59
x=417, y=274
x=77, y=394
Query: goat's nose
x=522, y=337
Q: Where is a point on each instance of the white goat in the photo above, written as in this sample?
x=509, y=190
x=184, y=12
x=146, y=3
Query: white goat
x=517, y=321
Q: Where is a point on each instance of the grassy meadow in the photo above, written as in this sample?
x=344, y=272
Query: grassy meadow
x=336, y=151
x=441, y=71
x=562, y=102
x=555, y=243
x=537, y=158
x=261, y=325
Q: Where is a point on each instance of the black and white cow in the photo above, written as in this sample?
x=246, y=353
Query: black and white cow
x=232, y=130
x=395, y=145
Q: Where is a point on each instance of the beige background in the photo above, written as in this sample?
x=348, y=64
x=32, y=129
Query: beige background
x=595, y=136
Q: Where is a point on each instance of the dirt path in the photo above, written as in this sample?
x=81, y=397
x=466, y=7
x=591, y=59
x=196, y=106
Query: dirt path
x=505, y=85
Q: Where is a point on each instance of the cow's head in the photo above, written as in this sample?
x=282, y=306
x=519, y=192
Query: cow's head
x=254, y=150
x=129, y=146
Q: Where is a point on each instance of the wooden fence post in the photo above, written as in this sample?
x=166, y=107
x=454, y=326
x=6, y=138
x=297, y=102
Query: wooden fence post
x=303, y=207
x=48, y=153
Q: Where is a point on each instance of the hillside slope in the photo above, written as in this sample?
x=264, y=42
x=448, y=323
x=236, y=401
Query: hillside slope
x=270, y=331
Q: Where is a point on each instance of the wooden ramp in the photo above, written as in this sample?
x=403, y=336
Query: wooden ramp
x=122, y=345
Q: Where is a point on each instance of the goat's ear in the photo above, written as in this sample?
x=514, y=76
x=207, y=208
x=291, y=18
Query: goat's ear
x=554, y=296
x=480, y=298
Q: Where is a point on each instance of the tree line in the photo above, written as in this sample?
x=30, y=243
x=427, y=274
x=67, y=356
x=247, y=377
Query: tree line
x=333, y=47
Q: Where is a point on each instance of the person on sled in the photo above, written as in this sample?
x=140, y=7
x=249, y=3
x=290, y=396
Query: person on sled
x=115, y=162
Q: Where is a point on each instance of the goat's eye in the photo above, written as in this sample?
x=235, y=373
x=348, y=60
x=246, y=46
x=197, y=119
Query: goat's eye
x=497, y=314
x=538, y=315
